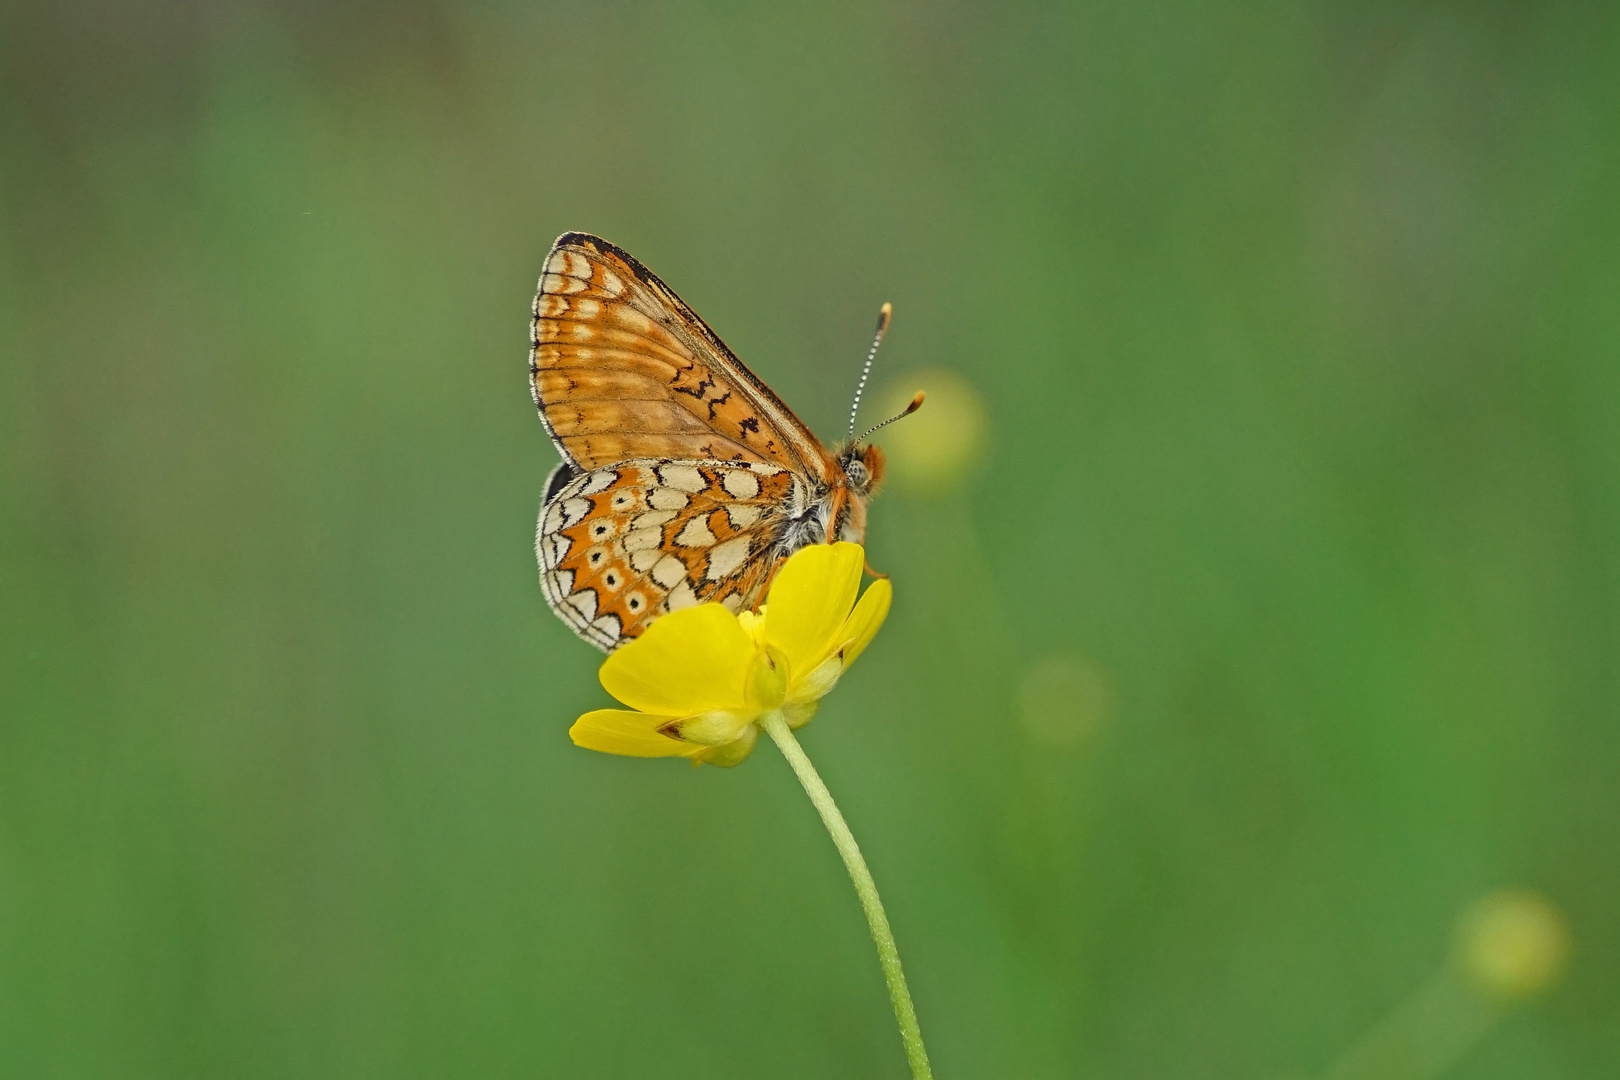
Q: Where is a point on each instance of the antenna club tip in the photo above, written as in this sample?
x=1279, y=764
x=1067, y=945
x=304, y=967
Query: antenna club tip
x=916, y=402
x=885, y=313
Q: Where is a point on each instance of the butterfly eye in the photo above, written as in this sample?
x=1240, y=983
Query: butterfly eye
x=855, y=469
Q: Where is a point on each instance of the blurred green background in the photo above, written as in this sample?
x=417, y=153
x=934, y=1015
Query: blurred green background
x=1273, y=623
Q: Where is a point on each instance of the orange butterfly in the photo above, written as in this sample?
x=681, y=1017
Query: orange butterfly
x=684, y=479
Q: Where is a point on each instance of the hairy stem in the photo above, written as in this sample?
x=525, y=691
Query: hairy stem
x=905, y=1014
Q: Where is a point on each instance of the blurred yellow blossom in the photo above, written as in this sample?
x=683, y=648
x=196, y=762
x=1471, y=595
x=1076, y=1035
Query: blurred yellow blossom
x=698, y=681
x=1512, y=944
x=935, y=450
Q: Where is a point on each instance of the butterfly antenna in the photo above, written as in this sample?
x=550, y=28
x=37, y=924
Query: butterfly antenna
x=916, y=403
x=885, y=313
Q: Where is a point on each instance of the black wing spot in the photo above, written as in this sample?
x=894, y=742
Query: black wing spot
x=697, y=391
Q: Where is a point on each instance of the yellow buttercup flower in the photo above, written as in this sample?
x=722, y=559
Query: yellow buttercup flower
x=700, y=679
x=703, y=683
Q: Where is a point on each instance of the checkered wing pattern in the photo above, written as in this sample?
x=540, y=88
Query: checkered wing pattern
x=620, y=545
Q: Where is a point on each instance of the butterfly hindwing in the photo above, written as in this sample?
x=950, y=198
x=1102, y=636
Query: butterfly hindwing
x=619, y=546
x=621, y=368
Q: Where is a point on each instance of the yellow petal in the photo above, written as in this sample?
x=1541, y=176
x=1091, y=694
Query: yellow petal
x=809, y=602
x=752, y=622
x=695, y=660
x=634, y=734
x=867, y=619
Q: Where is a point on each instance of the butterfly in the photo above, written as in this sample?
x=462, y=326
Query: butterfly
x=684, y=479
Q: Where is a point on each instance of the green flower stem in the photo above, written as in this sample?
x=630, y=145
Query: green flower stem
x=905, y=1014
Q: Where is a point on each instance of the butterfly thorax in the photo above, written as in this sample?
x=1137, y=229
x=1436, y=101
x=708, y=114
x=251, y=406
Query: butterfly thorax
x=836, y=509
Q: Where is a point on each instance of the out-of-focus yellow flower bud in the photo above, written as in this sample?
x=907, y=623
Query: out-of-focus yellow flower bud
x=935, y=449
x=1512, y=945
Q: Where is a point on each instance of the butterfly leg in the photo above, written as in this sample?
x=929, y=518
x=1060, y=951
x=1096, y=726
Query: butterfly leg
x=873, y=573
x=764, y=590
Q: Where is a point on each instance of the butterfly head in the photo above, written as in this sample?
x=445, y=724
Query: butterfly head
x=861, y=462
x=861, y=465
x=860, y=472
x=863, y=469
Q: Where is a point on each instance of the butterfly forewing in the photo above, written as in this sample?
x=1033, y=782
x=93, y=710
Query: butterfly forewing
x=621, y=545
x=684, y=479
x=621, y=368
